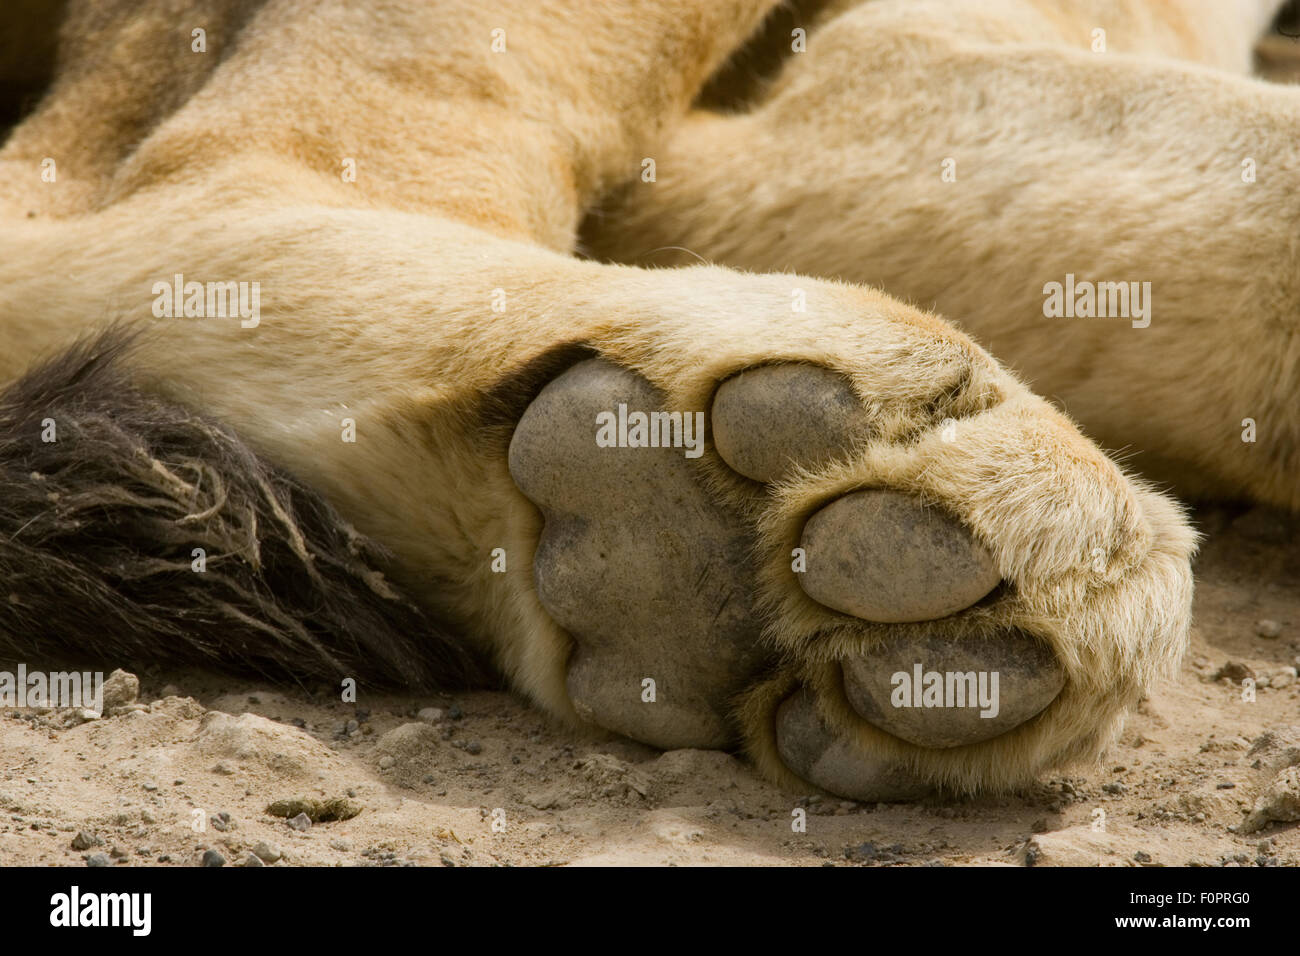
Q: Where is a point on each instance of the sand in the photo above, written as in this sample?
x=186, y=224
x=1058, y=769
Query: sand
x=489, y=781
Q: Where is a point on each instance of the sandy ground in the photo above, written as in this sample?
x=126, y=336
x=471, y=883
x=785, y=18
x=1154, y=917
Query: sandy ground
x=488, y=781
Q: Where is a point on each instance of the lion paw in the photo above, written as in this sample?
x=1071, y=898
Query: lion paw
x=853, y=606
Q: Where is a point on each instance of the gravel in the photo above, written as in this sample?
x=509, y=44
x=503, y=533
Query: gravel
x=1268, y=629
x=267, y=852
x=84, y=840
x=119, y=690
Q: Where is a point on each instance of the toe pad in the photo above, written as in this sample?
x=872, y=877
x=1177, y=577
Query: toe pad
x=882, y=556
x=938, y=692
x=769, y=419
x=809, y=749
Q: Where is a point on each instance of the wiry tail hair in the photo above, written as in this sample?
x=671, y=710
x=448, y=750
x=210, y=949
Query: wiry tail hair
x=99, y=526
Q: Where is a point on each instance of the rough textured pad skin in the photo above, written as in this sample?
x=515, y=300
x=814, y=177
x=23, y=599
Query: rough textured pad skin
x=650, y=576
x=829, y=762
x=883, y=556
x=1029, y=678
x=768, y=419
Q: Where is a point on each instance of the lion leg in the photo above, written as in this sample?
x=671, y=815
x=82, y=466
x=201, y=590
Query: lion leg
x=854, y=491
x=851, y=489
x=1211, y=32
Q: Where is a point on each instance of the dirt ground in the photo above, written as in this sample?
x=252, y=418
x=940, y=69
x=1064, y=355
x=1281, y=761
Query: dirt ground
x=485, y=780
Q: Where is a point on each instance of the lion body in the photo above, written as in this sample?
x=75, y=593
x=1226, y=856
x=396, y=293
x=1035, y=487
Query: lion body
x=409, y=198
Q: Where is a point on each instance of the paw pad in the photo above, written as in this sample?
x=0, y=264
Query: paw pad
x=882, y=556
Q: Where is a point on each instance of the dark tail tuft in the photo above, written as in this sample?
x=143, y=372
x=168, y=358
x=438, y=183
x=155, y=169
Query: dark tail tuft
x=98, y=531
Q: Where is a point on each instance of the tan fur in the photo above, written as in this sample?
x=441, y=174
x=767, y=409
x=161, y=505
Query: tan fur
x=1115, y=166
x=474, y=171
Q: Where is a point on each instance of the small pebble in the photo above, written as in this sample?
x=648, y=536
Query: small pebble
x=253, y=860
x=301, y=822
x=1234, y=671
x=84, y=840
x=455, y=713
x=98, y=859
x=213, y=858
x=430, y=715
x=267, y=851
x=1268, y=629
x=119, y=690
x=387, y=762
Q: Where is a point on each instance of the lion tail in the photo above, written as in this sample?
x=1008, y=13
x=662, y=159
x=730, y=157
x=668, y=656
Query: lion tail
x=135, y=532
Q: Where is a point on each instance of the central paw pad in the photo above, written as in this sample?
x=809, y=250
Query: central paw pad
x=647, y=573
